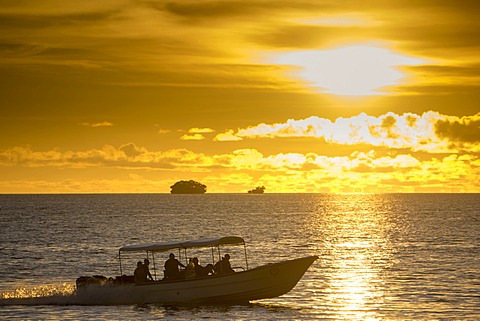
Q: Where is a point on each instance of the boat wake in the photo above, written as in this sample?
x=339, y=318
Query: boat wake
x=53, y=294
x=39, y=295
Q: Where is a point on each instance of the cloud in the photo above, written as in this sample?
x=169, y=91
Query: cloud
x=92, y=42
x=192, y=137
x=212, y=9
x=462, y=130
x=131, y=150
x=371, y=171
x=228, y=136
x=163, y=131
x=127, y=155
x=197, y=130
x=24, y=156
x=99, y=124
x=430, y=132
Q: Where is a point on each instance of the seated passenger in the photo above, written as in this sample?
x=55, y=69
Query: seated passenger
x=148, y=275
x=223, y=266
x=171, y=267
x=139, y=274
x=201, y=271
x=190, y=272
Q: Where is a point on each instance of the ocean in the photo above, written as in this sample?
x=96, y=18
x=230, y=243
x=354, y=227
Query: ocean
x=381, y=256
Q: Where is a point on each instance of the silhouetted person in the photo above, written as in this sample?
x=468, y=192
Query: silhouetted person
x=226, y=267
x=223, y=266
x=190, y=272
x=146, y=262
x=139, y=274
x=200, y=270
x=171, y=267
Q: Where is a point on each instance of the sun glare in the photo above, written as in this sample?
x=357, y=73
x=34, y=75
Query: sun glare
x=359, y=70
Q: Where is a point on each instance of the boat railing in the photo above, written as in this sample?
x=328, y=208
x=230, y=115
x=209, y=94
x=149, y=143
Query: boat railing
x=235, y=268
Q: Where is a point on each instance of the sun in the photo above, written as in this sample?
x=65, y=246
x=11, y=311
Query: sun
x=357, y=70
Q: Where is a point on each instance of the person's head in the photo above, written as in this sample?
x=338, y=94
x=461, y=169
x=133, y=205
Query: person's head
x=172, y=256
x=195, y=260
x=139, y=263
x=227, y=257
x=146, y=262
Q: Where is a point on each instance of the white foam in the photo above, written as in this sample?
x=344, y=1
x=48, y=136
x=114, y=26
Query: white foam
x=65, y=294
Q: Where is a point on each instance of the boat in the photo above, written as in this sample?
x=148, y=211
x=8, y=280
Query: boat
x=241, y=286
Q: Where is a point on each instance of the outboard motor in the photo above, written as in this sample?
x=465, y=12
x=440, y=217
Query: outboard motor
x=84, y=281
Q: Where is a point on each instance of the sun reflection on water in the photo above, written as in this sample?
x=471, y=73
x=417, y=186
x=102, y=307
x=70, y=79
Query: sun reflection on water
x=358, y=252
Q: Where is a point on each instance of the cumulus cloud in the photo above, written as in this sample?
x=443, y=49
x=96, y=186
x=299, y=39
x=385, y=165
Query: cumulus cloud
x=130, y=155
x=431, y=132
x=132, y=150
x=192, y=137
x=196, y=130
x=228, y=136
x=371, y=171
x=462, y=130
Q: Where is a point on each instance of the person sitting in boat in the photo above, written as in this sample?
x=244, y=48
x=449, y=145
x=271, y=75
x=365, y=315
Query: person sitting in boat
x=148, y=275
x=139, y=273
x=201, y=271
x=223, y=266
x=171, y=267
x=190, y=270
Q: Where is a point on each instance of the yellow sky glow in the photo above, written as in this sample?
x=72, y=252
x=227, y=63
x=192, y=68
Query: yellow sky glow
x=311, y=96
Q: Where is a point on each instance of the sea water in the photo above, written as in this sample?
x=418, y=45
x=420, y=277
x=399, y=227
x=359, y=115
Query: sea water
x=381, y=256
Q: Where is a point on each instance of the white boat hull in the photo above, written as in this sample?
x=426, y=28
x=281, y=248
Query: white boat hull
x=263, y=282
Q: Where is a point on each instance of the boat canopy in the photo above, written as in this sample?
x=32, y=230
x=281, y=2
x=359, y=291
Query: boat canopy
x=165, y=246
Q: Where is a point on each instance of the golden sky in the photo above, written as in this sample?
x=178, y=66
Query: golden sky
x=112, y=96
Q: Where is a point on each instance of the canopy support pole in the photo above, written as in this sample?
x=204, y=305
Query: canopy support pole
x=154, y=268
x=219, y=260
x=120, y=262
x=245, y=249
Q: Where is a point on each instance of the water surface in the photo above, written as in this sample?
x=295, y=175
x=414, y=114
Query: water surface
x=382, y=257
